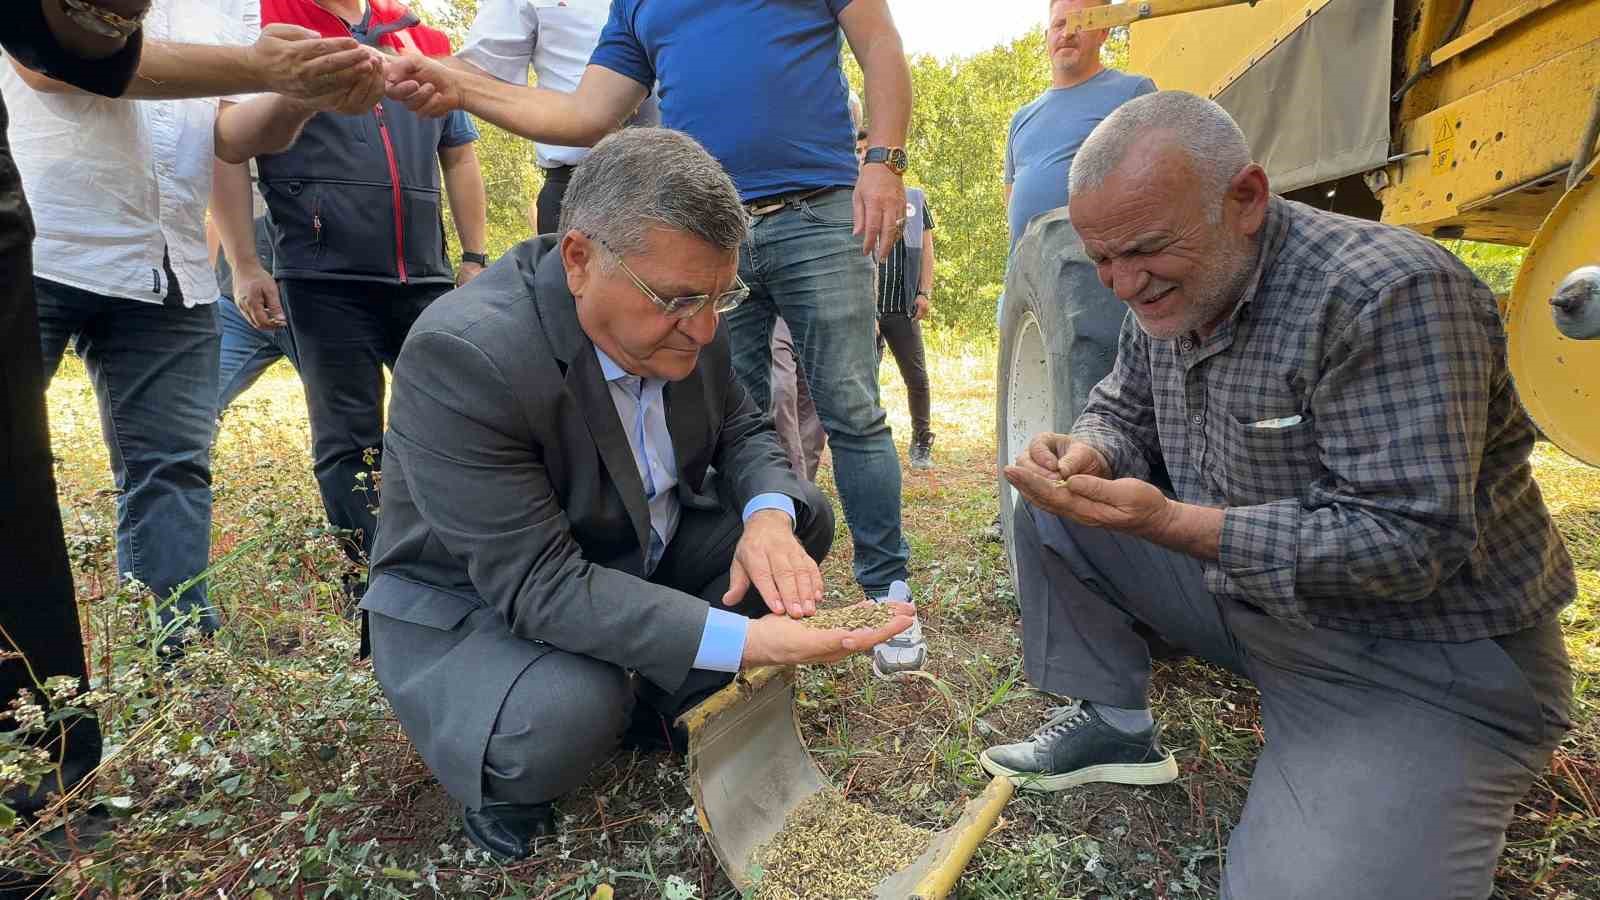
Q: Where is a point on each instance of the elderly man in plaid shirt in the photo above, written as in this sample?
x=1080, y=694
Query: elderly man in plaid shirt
x=1356, y=527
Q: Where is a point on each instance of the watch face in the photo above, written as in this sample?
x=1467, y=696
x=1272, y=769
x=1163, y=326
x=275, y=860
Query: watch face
x=893, y=157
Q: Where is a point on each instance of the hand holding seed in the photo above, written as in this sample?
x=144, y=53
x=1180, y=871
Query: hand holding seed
x=777, y=640
x=1041, y=472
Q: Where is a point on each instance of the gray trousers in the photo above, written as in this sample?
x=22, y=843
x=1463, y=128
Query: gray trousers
x=794, y=415
x=565, y=713
x=1391, y=768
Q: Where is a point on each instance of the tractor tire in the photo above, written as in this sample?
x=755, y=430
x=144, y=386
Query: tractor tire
x=1058, y=338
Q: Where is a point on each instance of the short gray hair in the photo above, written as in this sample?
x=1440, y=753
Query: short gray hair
x=1209, y=136
x=641, y=178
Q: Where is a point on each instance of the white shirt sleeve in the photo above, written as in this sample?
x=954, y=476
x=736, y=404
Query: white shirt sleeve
x=244, y=28
x=502, y=39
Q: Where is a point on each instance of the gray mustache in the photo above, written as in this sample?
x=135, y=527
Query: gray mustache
x=1156, y=289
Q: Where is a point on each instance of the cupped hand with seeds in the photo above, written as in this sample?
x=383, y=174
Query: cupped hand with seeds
x=777, y=640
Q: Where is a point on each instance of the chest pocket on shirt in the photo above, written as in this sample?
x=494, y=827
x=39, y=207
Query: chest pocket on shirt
x=1260, y=463
x=577, y=19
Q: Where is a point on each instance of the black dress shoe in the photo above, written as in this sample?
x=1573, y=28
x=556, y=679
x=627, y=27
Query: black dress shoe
x=507, y=830
x=650, y=732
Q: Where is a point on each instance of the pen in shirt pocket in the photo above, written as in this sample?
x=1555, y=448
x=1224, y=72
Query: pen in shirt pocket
x=1282, y=422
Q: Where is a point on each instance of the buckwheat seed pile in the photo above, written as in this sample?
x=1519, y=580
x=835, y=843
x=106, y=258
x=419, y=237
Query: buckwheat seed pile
x=851, y=617
x=832, y=849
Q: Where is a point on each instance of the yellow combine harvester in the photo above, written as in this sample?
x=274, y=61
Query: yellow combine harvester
x=1470, y=119
x=1456, y=118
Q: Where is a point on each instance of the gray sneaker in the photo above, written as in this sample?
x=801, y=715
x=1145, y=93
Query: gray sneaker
x=906, y=651
x=1075, y=746
x=922, y=452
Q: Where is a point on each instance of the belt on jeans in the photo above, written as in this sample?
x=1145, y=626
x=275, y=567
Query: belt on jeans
x=767, y=205
x=559, y=173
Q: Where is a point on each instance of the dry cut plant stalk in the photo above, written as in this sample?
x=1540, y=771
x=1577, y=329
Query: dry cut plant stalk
x=832, y=849
x=851, y=617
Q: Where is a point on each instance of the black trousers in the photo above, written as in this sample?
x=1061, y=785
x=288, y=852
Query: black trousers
x=37, y=610
x=345, y=333
x=903, y=335
x=549, y=202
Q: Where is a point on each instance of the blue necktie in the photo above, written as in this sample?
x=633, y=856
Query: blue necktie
x=635, y=386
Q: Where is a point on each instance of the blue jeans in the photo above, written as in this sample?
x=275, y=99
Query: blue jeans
x=246, y=352
x=803, y=264
x=154, y=370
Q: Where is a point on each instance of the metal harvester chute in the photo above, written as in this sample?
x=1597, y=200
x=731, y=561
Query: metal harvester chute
x=749, y=769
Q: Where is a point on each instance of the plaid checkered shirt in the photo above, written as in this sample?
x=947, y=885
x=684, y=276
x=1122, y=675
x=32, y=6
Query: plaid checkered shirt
x=1355, y=418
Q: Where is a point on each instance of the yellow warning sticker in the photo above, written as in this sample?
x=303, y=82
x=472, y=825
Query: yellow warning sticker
x=1444, y=145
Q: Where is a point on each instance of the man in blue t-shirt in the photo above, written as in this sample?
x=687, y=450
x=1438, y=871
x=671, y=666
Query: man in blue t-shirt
x=760, y=86
x=1045, y=135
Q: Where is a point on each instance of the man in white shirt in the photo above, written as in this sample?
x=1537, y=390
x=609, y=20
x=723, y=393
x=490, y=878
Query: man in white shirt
x=119, y=195
x=555, y=37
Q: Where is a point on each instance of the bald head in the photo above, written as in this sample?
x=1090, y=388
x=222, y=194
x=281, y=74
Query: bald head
x=1172, y=124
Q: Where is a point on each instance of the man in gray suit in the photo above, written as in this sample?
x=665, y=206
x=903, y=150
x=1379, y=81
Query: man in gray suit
x=575, y=486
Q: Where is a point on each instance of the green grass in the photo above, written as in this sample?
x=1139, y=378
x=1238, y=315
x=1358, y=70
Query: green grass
x=268, y=764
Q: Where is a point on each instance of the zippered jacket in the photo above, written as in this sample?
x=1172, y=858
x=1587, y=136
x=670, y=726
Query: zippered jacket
x=359, y=197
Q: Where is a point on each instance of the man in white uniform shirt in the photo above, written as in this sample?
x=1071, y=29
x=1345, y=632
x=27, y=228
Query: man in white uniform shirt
x=556, y=38
x=119, y=194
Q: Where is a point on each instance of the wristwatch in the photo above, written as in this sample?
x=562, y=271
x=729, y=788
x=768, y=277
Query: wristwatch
x=893, y=157
x=99, y=21
x=482, y=259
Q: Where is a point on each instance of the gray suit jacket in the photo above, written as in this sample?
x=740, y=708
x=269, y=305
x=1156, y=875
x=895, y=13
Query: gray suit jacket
x=508, y=483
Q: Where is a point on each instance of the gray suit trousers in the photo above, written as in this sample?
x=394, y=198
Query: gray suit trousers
x=1391, y=768
x=564, y=713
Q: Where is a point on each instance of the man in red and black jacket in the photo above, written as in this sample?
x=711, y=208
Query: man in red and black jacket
x=355, y=206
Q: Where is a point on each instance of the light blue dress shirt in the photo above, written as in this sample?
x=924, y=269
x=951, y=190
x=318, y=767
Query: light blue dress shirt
x=642, y=410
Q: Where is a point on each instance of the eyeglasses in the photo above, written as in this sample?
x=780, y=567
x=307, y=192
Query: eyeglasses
x=689, y=306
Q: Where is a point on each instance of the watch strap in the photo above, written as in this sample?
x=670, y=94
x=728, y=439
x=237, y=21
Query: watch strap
x=95, y=20
x=482, y=259
x=893, y=157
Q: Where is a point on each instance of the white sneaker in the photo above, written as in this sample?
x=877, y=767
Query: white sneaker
x=906, y=651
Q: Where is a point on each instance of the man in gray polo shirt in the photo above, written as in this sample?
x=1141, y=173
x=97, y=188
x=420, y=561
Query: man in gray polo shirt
x=556, y=39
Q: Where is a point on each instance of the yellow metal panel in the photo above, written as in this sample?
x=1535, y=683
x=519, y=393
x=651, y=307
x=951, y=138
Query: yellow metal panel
x=1523, y=44
x=1473, y=37
x=1558, y=378
x=1112, y=16
x=1507, y=138
x=1195, y=52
